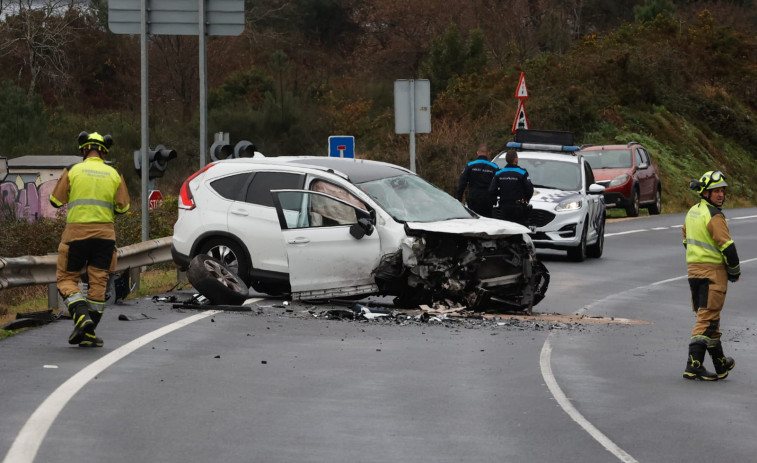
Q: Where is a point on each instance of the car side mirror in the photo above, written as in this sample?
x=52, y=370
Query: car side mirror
x=596, y=189
x=361, y=228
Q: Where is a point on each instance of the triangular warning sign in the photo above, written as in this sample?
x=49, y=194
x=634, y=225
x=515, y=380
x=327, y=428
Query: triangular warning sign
x=521, y=120
x=521, y=92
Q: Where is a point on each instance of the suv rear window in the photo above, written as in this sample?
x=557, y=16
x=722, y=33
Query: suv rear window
x=259, y=191
x=231, y=186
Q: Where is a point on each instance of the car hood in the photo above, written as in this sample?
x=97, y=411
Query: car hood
x=551, y=196
x=609, y=174
x=480, y=227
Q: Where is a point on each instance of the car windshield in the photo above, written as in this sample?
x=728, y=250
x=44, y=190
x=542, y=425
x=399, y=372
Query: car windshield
x=548, y=173
x=409, y=198
x=608, y=159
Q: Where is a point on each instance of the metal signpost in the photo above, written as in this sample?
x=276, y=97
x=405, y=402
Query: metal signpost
x=412, y=110
x=174, y=17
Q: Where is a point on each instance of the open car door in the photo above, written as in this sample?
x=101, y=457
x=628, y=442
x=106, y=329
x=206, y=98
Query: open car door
x=332, y=245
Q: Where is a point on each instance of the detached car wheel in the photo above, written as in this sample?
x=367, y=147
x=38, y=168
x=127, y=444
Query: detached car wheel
x=211, y=278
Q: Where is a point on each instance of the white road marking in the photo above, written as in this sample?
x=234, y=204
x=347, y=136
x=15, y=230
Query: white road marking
x=564, y=402
x=29, y=439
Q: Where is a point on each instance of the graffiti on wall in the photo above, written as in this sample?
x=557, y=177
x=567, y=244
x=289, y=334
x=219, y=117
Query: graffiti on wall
x=28, y=201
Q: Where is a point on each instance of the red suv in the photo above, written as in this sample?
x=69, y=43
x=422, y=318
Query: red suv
x=629, y=176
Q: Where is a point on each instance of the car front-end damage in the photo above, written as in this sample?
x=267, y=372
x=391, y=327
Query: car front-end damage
x=486, y=272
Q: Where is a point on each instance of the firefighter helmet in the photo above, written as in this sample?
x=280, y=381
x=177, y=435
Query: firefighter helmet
x=709, y=181
x=95, y=141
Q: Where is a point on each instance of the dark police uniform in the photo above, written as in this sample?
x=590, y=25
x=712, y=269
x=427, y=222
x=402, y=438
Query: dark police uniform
x=477, y=176
x=514, y=188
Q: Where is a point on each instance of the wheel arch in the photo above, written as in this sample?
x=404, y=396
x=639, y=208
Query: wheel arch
x=207, y=236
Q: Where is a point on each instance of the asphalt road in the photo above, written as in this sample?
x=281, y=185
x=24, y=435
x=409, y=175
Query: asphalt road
x=279, y=384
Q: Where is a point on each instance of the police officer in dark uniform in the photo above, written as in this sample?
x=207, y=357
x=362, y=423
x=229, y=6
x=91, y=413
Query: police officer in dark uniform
x=477, y=177
x=514, y=188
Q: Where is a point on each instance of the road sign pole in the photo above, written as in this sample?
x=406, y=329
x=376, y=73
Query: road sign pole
x=203, y=84
x=412, y=125
x=145, y=127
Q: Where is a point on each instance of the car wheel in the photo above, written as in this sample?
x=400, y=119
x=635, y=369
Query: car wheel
x=633, y=207
x=656, y=208
x=595, y=250
x=578, y=253
x=211, y=278
x=230, y=254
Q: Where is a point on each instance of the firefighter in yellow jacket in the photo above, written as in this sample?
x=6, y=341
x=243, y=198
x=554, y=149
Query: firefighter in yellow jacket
x=712, y=262
x=94, y=192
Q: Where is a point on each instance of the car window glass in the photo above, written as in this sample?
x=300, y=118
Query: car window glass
x=644, y=156
x=409, y=198
x=589, y=174
x=639, y=160
x=230, y=187
x=548, y=173
x=259, y=191
x=608, y=159
x=336, y=191
x=306, y=210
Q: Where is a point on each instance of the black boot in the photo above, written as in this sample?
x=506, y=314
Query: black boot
x=722, y=363
x=91, y=339
x=79, y=311
x=694, y=368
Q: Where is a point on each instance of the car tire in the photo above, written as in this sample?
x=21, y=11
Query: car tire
x=656, y=208
x=578, y=254
x=633, y=206
x=595, y=250
x=230, y=254
x=211, y=278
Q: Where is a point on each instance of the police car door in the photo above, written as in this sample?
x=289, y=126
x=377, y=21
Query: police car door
x=332, y=245
x=594, y=202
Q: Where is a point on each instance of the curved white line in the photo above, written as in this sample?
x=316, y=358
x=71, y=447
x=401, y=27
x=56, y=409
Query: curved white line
x=29, y=439
x=562, y=400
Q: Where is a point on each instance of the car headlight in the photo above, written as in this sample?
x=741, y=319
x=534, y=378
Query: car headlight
x=619, y=180
x=569, y=205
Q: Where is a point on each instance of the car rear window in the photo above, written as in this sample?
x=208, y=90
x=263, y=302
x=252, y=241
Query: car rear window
x=259, y=191
x=230, y=187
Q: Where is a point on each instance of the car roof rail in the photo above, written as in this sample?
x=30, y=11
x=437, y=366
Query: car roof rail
x=586, y=145
x=632, y=143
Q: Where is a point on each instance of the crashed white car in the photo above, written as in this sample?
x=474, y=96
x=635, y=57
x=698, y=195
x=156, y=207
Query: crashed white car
x=324, y=227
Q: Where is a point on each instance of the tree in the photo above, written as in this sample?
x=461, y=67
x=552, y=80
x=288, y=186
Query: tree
x=38, y=33
x=451, y=57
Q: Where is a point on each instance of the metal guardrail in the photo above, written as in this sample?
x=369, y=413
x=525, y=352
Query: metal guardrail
x=35, y=270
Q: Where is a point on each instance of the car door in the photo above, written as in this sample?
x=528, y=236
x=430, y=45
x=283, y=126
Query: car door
x=253, y=218
x=644, y=174
x=595, y=203
x=332, y=245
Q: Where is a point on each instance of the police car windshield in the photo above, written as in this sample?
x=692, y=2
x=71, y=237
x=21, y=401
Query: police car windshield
x=548, y=173
x=409, y=198
x=608, y=159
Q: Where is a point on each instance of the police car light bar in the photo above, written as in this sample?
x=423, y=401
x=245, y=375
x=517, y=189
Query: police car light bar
x=544, y=147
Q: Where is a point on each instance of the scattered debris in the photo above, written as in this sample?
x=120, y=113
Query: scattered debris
x=131, y=318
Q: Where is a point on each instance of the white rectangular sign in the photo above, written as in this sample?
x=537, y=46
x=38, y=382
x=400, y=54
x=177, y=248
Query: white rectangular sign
x=412, y=111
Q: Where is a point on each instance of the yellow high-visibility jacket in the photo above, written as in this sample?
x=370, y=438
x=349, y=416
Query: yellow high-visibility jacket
x=708, y=240
x=93, y=190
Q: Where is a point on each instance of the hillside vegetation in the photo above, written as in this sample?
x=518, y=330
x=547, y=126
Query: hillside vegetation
x=678, y=76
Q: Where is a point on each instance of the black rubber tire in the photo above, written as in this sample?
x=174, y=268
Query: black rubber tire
x=230, y=254
x=656, y=208
x=211, y=278
x=595, y=250
x=633, y=207
x=578, y=254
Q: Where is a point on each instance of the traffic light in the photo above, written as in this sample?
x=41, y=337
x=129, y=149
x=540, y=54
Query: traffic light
x=222, y=150
x=158, y=159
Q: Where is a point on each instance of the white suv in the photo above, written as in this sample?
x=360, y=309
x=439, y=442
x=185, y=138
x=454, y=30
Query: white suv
x=320, y=227
x=567, y=211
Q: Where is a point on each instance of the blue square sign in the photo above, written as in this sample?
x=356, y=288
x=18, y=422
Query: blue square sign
x=342, y=146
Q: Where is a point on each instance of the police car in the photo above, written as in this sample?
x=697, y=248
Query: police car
x=567, y=210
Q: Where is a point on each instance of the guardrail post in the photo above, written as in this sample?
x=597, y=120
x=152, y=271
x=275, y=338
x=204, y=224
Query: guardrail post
x=52, y=296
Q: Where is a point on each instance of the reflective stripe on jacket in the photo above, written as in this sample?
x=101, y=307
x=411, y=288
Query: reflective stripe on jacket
x=93, y=190
x=708, y=239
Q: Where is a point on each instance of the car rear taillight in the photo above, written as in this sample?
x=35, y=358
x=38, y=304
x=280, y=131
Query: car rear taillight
x=186, y=201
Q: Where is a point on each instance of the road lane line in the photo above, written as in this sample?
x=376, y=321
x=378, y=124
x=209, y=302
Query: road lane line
x=546, y=371
x=545, y=361
x=29, y=439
